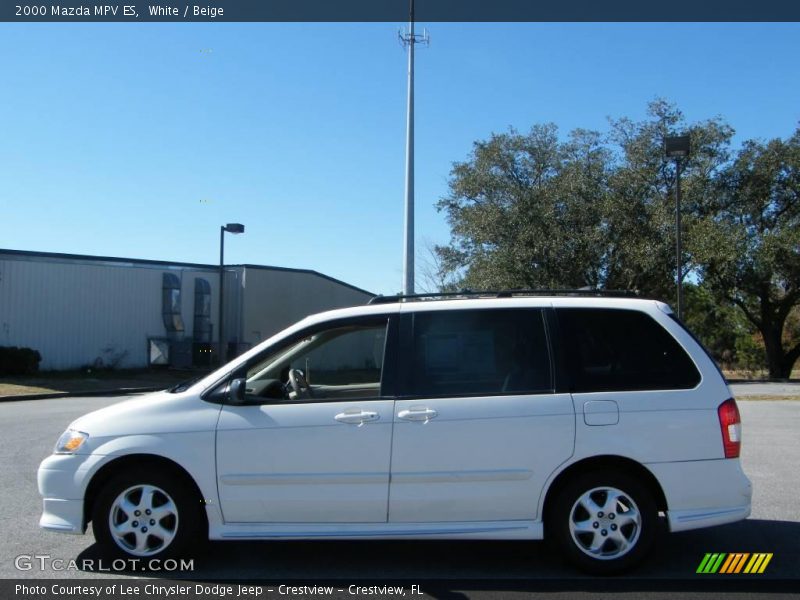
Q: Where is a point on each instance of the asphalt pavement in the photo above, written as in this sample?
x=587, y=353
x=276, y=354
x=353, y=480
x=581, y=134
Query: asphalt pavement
x=771, y=453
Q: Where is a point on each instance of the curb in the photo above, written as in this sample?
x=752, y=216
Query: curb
x=745, y=381
x=114, y=392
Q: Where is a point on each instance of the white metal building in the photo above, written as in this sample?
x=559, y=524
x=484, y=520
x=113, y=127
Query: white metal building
x=91, y=310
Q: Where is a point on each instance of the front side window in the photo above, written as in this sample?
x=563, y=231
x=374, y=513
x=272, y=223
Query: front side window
x=480, y=352
x=339, y=363
x=622, y=350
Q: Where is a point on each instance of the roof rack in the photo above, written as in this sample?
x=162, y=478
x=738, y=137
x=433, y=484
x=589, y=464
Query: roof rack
x=473, y=294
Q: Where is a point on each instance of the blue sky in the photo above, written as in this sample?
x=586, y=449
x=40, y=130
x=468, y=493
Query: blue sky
x=140, y=140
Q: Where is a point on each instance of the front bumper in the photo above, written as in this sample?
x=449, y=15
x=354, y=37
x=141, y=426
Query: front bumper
x=64, y=516
x=62, y=480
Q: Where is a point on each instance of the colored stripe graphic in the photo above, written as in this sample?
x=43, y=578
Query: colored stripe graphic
x=734, y=563
x=740, y=564
x=732, y=558
x=717, y=563
x=711, y=562
x=723, y=563
x=765, y=563
x=703, y=563
x=758, y=563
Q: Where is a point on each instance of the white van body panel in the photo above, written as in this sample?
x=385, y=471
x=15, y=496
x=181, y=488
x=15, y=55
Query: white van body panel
x=480, y=468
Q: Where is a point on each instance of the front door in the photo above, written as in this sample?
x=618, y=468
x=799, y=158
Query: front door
x=313, y=447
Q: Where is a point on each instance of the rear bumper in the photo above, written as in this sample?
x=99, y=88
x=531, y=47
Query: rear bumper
x=704, y=493
x=683, y=520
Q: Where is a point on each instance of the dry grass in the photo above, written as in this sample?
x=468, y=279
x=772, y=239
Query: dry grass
x=10, y=389
x=733, y=375
x=758, y=397
x=77, y=381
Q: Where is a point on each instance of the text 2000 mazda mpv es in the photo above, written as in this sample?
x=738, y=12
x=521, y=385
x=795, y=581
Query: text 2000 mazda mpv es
x=584, y=420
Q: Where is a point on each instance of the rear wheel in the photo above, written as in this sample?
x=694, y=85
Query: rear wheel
x=604, y=522
x=143, y=514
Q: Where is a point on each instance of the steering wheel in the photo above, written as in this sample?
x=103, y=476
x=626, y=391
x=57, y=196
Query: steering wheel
x=299, y=385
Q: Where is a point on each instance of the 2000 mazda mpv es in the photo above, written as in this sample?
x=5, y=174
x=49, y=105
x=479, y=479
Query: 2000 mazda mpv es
x=584, y=420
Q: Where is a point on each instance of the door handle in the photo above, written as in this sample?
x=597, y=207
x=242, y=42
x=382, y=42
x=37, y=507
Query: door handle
x=417, y=414
x=357, y=417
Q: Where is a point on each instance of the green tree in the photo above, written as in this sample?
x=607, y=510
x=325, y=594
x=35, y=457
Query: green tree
x=640, y=215
x=750, y=250
x=726, y=333
x=524, y=211
x=527, y=210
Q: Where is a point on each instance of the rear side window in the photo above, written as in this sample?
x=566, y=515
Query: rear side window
x=621, y=350
x=480, y=352
x=699, y=343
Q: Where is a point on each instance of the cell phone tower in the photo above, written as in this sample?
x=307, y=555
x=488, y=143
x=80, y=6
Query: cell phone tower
x=409, y=39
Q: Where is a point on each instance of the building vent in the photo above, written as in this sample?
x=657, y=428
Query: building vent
x=171, y=304
x=202, y=311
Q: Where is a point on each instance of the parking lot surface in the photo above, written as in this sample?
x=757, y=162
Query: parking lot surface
x=771, y=453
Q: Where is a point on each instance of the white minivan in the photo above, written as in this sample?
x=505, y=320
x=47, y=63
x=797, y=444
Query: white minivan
x=586, y=419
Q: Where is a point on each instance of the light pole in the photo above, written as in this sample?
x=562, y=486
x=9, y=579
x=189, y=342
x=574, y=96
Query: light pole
x=230, y=228
x=410, y=39
x=678, y=147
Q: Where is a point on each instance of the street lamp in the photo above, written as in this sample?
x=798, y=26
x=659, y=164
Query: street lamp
x=678, y=147
x=230, y=228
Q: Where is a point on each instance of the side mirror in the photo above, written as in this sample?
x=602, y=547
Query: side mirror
x=236, y=391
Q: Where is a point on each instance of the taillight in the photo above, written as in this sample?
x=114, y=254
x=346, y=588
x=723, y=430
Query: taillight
x=731, y=425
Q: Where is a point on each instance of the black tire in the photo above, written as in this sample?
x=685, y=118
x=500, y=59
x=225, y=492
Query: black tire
x=603, y=542
x=173, y=526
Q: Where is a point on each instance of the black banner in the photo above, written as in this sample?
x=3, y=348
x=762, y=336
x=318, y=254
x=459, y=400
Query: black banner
x=426, y=11
x=587, y=588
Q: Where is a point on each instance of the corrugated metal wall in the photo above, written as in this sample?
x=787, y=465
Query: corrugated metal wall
x=78, y=312
x=276, y=299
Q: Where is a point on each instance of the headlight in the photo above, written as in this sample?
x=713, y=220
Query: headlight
x=70, y=441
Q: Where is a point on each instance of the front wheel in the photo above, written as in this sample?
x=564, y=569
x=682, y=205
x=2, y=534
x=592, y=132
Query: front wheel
x=145, y=515
x=604, y=522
